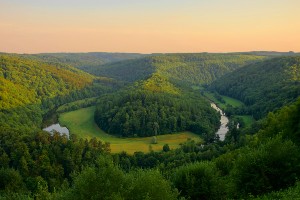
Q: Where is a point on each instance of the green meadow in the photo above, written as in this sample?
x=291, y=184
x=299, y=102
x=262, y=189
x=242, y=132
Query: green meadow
x=228, y=101
x=81, y=122
x=248, y=119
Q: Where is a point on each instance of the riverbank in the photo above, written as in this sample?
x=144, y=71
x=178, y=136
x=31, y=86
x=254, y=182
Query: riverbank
x=224, y=122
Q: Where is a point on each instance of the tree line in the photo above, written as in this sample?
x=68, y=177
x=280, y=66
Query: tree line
x=264, y=86
x=139, y=112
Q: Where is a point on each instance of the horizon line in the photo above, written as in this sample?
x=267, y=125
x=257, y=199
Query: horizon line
x=120, y=52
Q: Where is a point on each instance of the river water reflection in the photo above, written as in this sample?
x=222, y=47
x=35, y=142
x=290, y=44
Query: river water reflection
x=57, y=128
x=224, y=121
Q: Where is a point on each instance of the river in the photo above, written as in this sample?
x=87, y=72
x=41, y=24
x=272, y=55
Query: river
x=221, y=132
x=224, y=121
x=57, y=128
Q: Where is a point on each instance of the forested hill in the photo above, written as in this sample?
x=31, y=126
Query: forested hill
x=41, y=79
x=271, y=53
x=38, y=165
x=85, y=60
x=263, y=86
x=181, y=68
x=160, y=91
x=142, y=111
x=27, y=85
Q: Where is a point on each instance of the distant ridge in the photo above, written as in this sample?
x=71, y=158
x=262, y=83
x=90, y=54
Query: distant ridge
x=270, y=53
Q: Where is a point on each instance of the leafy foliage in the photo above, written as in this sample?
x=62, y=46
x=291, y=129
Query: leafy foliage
x=129, y=70
x=148, y=113
x=157, y=83
x=106, y=181
x=264, y=86
x=85, y=60
x=30, y=88
x=43, y=158
x=36, y=165
x=270, y=166
x=180, y=68
x=287, y=194
x=198, y=181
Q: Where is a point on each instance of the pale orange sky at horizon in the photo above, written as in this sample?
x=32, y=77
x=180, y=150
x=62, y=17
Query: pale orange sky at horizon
x=143, y=26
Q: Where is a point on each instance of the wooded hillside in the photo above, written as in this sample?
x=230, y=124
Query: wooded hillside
x=263, y=86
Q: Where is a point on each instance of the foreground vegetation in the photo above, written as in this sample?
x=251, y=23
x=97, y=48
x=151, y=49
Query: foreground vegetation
x=268, y=161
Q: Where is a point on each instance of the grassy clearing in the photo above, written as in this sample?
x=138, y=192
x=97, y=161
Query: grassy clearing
x=233, y=102
x=197, y=87
x=81, y=122
x=248, y=119
x=228, y=100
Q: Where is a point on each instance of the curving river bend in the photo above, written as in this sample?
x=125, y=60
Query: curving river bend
x=224, y=121
x=221, y=132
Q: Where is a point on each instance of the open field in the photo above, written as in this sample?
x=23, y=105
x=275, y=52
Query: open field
x=81, y=122
x=228, y=100
x=248, y=119
x=231, y=101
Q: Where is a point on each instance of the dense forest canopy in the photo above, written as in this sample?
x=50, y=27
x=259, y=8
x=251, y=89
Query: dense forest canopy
x=159, y=106
x=85, y=60
x=29, y=88
x=44, y=78
x=140, y=112
x=271, y=53
x=182, y=68
x=129, y=70
x=263, y=86
x=260, y=161
x=200, y=68
x=268, y=161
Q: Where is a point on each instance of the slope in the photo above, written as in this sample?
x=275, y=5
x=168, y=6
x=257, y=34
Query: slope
x=199, y=68
x=28, y=86
x=86, y=61
x=264, y=86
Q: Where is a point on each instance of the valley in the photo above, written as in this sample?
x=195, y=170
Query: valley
x=81, y=122
x=178, y=114
x=224, y=123
x=149, y=100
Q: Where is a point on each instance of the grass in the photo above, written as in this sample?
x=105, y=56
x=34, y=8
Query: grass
x=233, y=102
x=197, y=87
x=228, y=100
x=248, y=119
x=81, y=122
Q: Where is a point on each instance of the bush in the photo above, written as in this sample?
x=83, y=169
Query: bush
x=198, y=181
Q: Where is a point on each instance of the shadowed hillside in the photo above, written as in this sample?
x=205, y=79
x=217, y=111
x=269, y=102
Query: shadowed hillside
x=264, y=86
x=86, y=60
x=181, y=68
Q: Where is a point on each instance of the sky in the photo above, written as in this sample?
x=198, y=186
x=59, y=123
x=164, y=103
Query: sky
x=149, y=26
